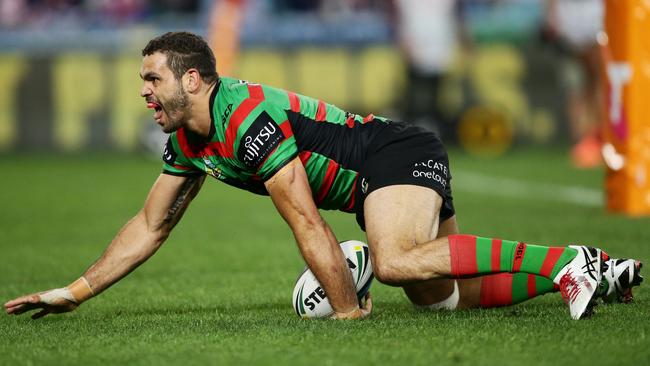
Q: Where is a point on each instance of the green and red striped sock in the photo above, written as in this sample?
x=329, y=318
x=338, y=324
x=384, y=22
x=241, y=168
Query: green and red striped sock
x=504, y=289
x=472, y=255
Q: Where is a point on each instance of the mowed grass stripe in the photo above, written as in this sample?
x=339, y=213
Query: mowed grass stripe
x=524, y=189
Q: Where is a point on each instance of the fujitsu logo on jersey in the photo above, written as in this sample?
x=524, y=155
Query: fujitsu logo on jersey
x=259, y=140
x=254, y=145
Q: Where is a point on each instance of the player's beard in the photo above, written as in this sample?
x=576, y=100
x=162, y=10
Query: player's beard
x=176, y=108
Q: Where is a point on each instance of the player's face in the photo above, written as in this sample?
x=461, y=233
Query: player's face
x=163, y=93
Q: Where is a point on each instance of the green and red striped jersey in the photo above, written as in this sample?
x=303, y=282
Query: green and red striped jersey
x=257, y=129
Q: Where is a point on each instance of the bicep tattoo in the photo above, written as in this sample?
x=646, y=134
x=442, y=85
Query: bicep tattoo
x=185, y=194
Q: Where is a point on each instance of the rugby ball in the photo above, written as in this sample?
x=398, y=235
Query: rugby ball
x=309, y=298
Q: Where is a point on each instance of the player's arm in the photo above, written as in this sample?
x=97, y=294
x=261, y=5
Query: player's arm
x=134, y=243
x=291, y=194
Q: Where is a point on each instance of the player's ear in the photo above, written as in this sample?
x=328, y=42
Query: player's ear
x=192, y=80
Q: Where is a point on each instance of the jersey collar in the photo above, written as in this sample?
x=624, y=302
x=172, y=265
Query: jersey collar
x=213, y=97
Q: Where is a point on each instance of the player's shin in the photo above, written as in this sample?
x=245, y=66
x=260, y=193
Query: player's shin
x=474, y=256
x=503, y=289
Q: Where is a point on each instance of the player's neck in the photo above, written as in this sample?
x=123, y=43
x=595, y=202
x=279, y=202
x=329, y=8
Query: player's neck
x=200, y=117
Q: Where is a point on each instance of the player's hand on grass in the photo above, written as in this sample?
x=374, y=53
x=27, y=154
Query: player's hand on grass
x=364, y=310
x=53, y=301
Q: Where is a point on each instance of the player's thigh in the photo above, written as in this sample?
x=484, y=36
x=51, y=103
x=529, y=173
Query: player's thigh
x=398, y=217
x=434, y=291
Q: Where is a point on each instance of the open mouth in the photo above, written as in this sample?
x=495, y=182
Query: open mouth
x=157, y=115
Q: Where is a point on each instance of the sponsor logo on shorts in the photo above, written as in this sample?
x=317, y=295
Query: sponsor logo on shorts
x=431, y=169
x=364, y=186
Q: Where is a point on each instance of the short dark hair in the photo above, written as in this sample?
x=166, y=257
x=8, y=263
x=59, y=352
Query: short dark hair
x=184, y=51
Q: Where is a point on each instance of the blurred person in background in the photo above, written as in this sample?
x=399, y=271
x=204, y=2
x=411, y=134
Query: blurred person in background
x=224, y=29
x=573, y=27
x=19, y=14
x=428, y=33
x=71, y=14
x=12, y=13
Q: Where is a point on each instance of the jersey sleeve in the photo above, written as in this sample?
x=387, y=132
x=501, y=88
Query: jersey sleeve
x=266, y=142
x=175, y=163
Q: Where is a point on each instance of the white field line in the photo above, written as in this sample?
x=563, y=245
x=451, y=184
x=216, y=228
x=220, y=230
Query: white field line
x=514, y=188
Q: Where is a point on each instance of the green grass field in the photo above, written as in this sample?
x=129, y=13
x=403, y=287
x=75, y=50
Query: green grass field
x=219, y=291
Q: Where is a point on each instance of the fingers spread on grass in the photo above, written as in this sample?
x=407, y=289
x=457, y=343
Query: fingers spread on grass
x=22, y=300
x=22, y=304
x=40, y=314
x=16, y=310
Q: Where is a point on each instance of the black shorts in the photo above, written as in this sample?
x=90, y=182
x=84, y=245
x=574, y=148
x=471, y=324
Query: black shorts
x=405, y=154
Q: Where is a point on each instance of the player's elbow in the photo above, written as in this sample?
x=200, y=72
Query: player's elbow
x=155, y=232
x=150, y=245
x=157, y=229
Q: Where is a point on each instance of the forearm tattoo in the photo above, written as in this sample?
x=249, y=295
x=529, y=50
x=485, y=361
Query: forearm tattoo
x=188, y=190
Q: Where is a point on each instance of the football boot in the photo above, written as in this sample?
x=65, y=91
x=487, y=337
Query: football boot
x=579, y=281
x=619, y=277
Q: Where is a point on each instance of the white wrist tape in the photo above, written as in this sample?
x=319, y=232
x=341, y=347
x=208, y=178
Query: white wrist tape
x=56, y=294
x=449, y=303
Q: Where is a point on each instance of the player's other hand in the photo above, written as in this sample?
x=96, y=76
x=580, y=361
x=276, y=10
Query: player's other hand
x=53, y=301
x=364, y=310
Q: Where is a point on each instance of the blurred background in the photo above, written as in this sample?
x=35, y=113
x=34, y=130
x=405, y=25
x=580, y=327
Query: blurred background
x=487, y=75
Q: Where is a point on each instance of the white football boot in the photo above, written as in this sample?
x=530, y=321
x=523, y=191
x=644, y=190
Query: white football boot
x=619, y=276
x=579, y=281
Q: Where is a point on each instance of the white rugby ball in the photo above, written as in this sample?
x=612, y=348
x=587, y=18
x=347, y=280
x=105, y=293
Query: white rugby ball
x=309, y=298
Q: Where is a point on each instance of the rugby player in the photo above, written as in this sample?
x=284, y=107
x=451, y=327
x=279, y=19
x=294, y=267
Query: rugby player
x=307, y=154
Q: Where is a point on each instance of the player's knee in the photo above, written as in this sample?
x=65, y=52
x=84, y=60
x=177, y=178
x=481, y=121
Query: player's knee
x=388, y=271
x=387, y=276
